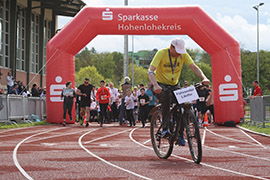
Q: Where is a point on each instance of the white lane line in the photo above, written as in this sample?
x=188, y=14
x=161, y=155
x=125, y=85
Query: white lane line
x=238, y=153
x=204, y=133
x=253, y=139
x=54, y=136
x=103, y=137
x=103, y=160
x=147, y=141
x=20, y=133
x=204, y=164
x=16, y=149
x=231, y=139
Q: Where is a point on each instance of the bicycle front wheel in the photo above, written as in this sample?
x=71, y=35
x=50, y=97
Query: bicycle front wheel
x=193, y=136
x=162, y=146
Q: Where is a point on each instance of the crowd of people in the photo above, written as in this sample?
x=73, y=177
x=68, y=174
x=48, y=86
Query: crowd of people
x=126, y=105
x=16, y=87
x=106, y=104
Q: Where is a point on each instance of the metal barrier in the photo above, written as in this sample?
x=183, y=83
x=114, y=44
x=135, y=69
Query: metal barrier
x=258, y=110
x=17, y=107
x=4, y=111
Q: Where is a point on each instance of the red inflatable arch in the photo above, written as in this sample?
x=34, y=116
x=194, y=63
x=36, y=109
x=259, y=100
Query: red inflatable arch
x=192, y=21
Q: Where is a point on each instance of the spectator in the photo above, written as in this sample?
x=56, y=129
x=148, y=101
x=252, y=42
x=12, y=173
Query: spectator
x=35, y=91
x=203, y=93
x=135, y=94
x=102, y=97
x=10, y=82
x=43, y=92
x=1, y=90
x=14, y=89
x=78, y=107
x=93, y=110
x=129, y=102
x=68, y=93
x=84, y=91
x=152, y=98
x=210, y=104
x=257, y=90
x=140, y=87
x=185, y=84
x=25, y=93
x=124, y=86
x=20, y=87
x=114, y=96
x=143, y=106
x=139, y=93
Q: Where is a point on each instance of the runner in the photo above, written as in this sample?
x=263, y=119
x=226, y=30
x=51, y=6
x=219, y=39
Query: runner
x=102, y=97
x=84, y=91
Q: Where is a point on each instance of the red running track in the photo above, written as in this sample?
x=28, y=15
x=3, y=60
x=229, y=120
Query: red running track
x=114, y=152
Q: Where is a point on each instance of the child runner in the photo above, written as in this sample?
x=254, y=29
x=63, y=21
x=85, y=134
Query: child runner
x=143, y=106
x=129, y=100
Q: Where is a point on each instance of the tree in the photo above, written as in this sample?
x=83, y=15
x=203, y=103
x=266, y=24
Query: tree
x=104, y=64
x=118, y=71
x=206, y=58
x=249, y=70
x=188, y=75
x=140, y=74
x=83, y=59
x=89, y=72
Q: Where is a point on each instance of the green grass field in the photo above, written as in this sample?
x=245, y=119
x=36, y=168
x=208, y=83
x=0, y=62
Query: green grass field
x=265, y=130
x=5, y=126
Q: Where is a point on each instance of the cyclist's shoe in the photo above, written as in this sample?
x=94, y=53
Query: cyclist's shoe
x=87, y=124
x=165, y=133
x=181, y=140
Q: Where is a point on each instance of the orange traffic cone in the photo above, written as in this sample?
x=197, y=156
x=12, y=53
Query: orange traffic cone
x=85, y=116
x=205, y=121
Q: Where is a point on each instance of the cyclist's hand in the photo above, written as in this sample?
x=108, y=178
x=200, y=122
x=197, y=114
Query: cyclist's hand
x=205, y=81
x=157, y=89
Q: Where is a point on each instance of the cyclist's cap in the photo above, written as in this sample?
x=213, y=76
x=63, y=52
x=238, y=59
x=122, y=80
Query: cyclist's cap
x=86, y=79
x=126, y=79
x=179, y=46
x=135, y=87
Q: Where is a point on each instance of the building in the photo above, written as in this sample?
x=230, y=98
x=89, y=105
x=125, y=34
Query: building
x=143, y=58
x=25, y=28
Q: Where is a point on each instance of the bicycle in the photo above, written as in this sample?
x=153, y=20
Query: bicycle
x=180, y=114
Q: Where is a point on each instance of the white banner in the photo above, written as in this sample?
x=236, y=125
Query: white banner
x=187, y=94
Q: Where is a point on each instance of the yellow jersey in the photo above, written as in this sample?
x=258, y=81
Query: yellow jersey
x=169, y=72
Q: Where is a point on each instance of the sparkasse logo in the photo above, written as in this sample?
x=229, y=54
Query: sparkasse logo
x=107, y=15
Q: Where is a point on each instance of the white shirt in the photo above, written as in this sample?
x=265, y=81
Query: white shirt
x=10, y=81
x=114, y=94
x=129, y=102
x=93, y=105
x=136, y=97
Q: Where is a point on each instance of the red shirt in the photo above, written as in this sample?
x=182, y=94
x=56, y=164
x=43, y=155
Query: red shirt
x=257, y=91
x=103, y=95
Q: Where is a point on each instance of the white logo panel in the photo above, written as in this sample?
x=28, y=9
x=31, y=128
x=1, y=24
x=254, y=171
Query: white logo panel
x=228, y=91
x=56, y=89
x=107, y=15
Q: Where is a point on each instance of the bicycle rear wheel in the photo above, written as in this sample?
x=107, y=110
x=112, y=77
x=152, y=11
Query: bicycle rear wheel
x=162, y=146
x=193, y=136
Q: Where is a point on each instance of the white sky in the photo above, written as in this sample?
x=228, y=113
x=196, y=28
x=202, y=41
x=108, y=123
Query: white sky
x=236, y=16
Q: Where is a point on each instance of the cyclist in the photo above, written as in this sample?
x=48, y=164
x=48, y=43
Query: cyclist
x=164, y=73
